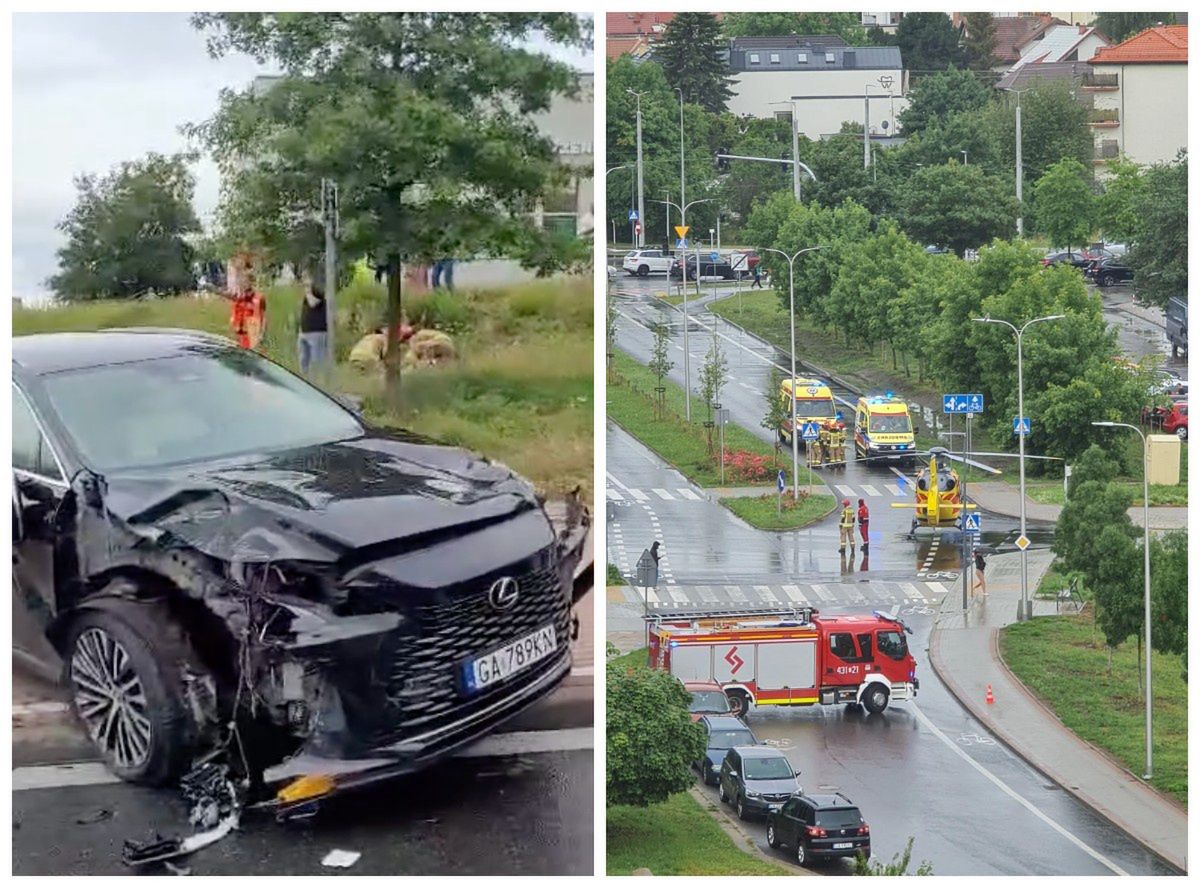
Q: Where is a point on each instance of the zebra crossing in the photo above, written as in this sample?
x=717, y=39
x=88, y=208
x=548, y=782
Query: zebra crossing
x=879, y=490
x=918, y=595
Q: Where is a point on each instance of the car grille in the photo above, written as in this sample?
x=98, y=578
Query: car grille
x=775, y=798
x=423, y=687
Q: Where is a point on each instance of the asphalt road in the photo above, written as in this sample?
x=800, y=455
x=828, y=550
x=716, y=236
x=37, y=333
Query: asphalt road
x=518, y=803
x=1137, y=336
x=928, y=770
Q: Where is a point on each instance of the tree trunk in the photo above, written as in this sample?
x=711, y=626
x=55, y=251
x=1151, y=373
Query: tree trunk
x=391, y=361
x=895, y=365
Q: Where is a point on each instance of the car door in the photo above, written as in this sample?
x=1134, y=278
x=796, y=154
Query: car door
x=38, y=490
x=727, y=767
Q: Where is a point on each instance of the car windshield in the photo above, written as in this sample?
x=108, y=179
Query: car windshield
x=768, y=768
x=892, y=644
x=709, y=700
x=846, y=817
x=893, y=424
x=822, y=408
x=729, y=738
x=205, y=404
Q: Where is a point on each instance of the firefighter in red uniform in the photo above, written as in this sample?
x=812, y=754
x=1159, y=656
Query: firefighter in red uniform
x=863, y=517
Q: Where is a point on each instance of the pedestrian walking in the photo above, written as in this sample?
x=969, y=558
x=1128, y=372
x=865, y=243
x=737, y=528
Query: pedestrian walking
x=654, y=551
x=864, y=516
x=312, y=344
x=847, y=527
x=756, y=271
x=979, y=565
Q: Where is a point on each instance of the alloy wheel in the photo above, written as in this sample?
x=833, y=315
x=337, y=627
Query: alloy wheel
x=110, y=699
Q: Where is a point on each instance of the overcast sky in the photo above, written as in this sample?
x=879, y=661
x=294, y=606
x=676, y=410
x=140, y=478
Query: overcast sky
x=93, y=89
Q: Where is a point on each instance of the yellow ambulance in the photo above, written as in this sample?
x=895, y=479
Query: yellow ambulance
x=883, y=428
x=814, y=403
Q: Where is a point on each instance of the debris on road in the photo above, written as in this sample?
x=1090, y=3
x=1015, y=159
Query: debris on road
x=340, y=859
x=95, y=816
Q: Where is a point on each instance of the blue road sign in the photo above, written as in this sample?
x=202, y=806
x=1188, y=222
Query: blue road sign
x=962, y=403
x=633, y=216
x=1024, y=432
x=681, y=243
x=779, y=481
x=809, y=431
x=715, y=256
x=974, y=403
x=972, y=523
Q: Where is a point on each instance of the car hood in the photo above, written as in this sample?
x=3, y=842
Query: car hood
x=319, y=502
x=772, y=786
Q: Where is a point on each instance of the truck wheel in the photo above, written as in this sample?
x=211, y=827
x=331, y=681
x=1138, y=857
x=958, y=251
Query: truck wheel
x=643, y=270
x=739, y=703
x=123, y=666
x=875, y=699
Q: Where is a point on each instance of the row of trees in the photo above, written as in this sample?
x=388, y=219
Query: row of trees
x=873, y=285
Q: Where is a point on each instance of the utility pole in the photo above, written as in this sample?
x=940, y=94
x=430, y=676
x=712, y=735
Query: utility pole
x=866, y=129
x=329, y=210
x=1020, y=175
x=682, y=191
x=795, y=156
x=640, y=236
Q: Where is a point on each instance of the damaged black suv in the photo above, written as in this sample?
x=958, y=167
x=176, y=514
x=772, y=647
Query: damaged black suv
x=217, y=555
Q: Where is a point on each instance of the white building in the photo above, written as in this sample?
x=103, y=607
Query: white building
x=822, y=78
x=1140, y=96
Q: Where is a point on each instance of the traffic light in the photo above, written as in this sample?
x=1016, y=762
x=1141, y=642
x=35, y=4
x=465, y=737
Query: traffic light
x=722, y=163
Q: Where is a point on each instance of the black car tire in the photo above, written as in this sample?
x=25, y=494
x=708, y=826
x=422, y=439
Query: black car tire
x=772, y=838
x=706, y=774
x=721, y=792
x=1106, y=279
x=801, y=852
x=154, y=647
x=1181, y=432
x=875, y=699
x=643, y=271
x=741, y=808
x=739, y=703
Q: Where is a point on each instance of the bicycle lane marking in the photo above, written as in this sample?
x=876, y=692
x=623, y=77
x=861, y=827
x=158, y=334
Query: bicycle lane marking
x=1012, y=793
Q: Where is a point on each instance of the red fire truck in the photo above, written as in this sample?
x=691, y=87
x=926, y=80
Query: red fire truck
x=790, y=656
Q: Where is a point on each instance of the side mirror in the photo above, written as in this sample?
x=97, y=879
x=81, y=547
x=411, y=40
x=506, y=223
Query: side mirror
x=733, y=774
x=18, y=525
x=797, y=774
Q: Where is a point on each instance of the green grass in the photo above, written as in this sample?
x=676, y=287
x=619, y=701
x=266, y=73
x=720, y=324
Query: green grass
x=1055, y=580
x=677, y=837
x=1053, y=494
x=520, y=393
x=760, y=511
x=630, y=388
x=638, y=658
x=1064, y=661
x=615, y=577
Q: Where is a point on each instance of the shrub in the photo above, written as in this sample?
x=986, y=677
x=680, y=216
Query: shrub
x=742, y=465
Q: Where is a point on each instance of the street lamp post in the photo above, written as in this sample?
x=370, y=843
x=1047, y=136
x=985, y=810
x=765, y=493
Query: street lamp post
x=613, y=169
x=682, y=191
x=1019, y=164
x=1145, y=579
x=687, y=353
x=867, y=122
x=640, y=237
x=791, y=260
x=1025, y=610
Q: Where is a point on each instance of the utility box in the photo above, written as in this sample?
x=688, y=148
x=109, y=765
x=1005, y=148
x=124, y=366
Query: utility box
x=1165, y=455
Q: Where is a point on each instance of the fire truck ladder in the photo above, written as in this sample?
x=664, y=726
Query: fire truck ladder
x=659, y=615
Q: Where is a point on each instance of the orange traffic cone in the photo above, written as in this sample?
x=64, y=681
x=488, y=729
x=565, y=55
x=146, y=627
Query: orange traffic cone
x=990, y=698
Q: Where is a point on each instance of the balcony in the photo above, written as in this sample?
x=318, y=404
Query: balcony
x=1107, y=150
x=1104, y=117
x=1099, y=82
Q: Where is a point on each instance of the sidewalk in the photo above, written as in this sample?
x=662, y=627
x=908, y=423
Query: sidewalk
x=1004, y=498
x=970, y=642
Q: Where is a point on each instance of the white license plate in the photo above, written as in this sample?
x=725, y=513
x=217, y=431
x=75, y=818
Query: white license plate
x=845, y=846
x=493, y=667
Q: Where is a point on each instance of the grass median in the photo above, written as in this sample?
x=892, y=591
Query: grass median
x=1064, y=661
x=761, y=511
x=520, y=392
x=677, y=837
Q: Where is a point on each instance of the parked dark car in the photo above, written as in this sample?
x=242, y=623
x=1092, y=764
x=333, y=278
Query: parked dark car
x=757, y=780
x=1177, y=323
x=1074, y=259
x=1108, y=272
x=202, y=538
x=724, y=732
x=819, y=826
x=708, y=268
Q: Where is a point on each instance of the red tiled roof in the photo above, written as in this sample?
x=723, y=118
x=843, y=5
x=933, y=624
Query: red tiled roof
x=1013, y=32
x=616, y=47
x=635, y=24
x=1162, y=43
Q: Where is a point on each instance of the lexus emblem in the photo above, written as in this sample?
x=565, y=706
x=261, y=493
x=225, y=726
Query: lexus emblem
x=504, y=593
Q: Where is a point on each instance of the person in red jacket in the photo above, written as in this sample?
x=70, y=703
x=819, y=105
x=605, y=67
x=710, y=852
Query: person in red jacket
x=863, y=517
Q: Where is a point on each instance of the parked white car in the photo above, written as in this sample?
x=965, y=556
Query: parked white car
x=644, y=262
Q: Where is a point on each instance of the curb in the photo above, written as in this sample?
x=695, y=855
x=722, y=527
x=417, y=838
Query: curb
x=810, y=523
x=732, y=826
x=1020, y=751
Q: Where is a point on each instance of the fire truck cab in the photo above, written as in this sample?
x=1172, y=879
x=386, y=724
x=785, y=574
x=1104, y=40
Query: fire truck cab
x=788, y=656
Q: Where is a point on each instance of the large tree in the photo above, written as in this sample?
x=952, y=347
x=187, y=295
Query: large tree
x=1117, y=206
x=928, y=42
x=1159, y=255
x=1117, y=26
x=422, y=120
x=1064, y=205
x=1054, y=125
x=937, y=97
x=689, y=55
x=979, y=40
x=961, y=207
x=128, y=233
x=847, y=25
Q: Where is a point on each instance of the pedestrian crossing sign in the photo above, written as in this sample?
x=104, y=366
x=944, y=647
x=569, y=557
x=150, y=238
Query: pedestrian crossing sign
x=1023, y=542
x=809, y=431
x=972, y=523
x=681, y=243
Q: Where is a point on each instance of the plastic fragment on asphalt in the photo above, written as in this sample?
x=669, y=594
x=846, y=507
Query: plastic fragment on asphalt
x=340, y=859
x=304, y=788
x=95, y=816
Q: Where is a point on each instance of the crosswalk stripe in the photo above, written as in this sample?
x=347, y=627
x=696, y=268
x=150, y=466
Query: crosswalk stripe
x=910, y=592
x=870, y=490
x=736, y=593
x=764, y=592
x=662, y=494
x=937, y=588
x=678, y=595
x=845, y=490
x=819, y=591
x=687, y=494
x=613, y=494
x=793, y=592
x=898, y=490
x=855, y=595
x=707, y=595
x=651, y=595
x=639, y=495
